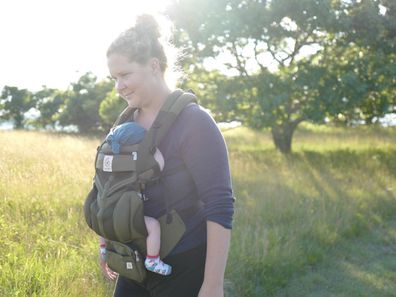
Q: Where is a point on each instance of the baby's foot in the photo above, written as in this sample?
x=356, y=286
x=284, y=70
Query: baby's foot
x=156, y=265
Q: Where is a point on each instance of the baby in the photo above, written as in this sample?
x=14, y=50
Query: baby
x=131, y=133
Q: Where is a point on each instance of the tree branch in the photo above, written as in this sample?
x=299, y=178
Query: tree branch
x=296, y=48
x=298, y=121
x=299, y=43
x=262, y=67
x=241, y=65
x=275, y=57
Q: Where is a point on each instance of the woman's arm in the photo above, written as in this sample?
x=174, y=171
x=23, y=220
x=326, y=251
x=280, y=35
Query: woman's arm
x=218, y=242
x=205, y=155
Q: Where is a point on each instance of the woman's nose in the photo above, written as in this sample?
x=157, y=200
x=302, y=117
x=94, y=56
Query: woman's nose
x=119, y=85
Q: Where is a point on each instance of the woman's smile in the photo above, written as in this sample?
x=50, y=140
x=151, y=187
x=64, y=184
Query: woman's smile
x=128, y=95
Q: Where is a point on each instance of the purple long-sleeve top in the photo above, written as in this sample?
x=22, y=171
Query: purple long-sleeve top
x=196, y=173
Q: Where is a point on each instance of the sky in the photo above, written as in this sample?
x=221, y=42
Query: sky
x=54, y=42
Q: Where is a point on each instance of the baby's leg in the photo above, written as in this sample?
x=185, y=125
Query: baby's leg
x=153, y=261
x=154, y=236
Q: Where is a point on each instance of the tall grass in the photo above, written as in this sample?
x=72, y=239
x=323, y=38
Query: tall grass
x=46, y=248
x=292, y=210
x=289, y=211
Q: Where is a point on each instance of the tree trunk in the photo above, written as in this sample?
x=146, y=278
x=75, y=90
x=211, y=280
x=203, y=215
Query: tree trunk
x=18, y=121
x=283, y=135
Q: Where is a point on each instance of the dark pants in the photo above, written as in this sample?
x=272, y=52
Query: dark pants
x=185, y=281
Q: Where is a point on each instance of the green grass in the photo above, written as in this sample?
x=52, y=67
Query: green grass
x=46, y=248
x=290, y=211
x=316, y=137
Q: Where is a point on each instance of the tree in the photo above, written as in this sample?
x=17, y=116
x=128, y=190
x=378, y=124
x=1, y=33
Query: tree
x=48, y=102
x=305, y=80
x=14, y=103
x=252, y=31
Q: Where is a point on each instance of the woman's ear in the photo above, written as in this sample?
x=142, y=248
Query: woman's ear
x=155, y=65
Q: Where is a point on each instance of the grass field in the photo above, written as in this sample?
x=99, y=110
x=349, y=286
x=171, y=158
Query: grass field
x=291, y=212
x=362, y=266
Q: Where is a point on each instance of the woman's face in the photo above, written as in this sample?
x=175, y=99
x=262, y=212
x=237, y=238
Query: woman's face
x=134, y=82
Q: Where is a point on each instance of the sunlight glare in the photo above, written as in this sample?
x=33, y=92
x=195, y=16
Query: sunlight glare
x=53, y=43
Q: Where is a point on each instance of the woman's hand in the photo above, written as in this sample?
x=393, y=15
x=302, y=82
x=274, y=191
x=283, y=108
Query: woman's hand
x=216, y=258
x=107, y=272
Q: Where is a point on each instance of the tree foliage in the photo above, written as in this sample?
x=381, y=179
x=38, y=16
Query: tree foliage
x=48, y=102
x=369, y=56
x=111, y=106
x=291, y=61
x=82, y=101
x=13, y=105
x=88, y=104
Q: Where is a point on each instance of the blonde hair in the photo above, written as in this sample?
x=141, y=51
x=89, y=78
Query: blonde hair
x=148, y=40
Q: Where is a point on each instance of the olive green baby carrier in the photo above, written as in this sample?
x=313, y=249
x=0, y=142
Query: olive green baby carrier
x=114, y=206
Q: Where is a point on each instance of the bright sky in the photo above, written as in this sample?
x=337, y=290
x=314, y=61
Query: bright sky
x=54, y=42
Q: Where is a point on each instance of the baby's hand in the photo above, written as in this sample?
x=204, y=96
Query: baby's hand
x=159, y=158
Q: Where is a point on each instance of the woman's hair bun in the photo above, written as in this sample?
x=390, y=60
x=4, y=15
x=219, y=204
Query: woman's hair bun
x=147, y=25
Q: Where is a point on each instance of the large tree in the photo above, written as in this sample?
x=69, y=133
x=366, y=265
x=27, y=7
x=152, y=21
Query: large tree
x=280, y=55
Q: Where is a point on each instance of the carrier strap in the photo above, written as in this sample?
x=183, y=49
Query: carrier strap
x=125, y=116
x=171, y=108
x=169, y=113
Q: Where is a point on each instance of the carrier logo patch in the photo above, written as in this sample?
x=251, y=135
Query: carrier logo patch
x=129, y=265
x=134, y=156
x=108, y=163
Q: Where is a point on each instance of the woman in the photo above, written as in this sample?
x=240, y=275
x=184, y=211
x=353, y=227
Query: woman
x=137, y=61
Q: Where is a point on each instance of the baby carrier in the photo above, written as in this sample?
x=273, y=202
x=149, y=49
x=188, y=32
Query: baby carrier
x=114, y=206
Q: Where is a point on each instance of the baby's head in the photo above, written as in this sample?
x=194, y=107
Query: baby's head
x=127, y=133
x=130, y=133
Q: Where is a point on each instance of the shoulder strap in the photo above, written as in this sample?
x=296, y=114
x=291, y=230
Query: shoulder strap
x=168, y=113
x=125, y=116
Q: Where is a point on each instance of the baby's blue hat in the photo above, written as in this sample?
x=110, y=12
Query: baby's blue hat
x=127, y=133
